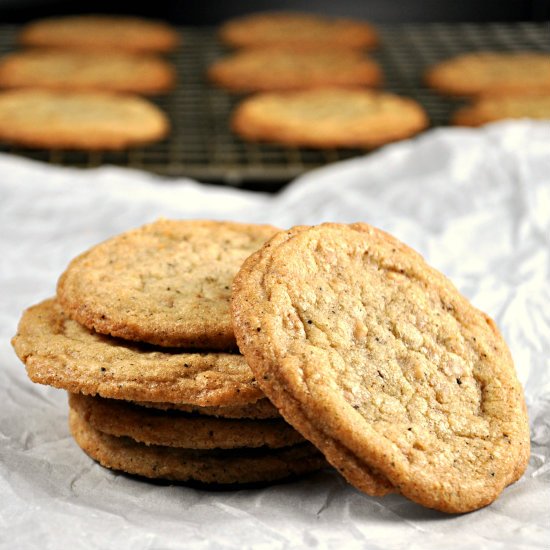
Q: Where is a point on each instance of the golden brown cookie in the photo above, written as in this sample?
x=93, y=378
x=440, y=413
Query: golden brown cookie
x=59, y=352
x=328, y=118
x=270, y=70
x=492, y=73
x=378, y=360
x=100, y=32
x=261, y=409
x=83, y=71
x=79, y=120
x=297, y=30
x=177, y=429
x=489, y=109
x=167, y=283
x=222, y=466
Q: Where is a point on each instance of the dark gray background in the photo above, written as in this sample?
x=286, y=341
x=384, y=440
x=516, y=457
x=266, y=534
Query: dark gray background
x=208, y=12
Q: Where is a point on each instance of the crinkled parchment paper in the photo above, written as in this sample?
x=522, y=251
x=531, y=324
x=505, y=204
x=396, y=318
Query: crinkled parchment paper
x=475, y=203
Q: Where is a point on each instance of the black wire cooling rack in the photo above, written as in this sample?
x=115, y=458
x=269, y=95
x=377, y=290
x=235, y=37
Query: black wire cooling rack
x=201, y=145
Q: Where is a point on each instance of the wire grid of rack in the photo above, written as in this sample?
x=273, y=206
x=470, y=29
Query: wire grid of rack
x=201, y=144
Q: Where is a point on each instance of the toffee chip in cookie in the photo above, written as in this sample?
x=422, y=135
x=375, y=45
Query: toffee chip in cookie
x=492, y=73
x=270, y=70
x=376, y=358
x=225, y=466
x=79, y=120
x=85, y=71
x=297, y=30
x=61, y=353
x=490, y=109
x=177, y=429
x=326, y=118
x=167, y=283
x=100, y=32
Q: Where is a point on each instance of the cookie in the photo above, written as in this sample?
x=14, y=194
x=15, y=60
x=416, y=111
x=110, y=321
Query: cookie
x=328, y=118
x=377, y=359
x=489, y=109
x=59, y=352
x=100, y=32
x=176, y=429
x=78, y=71
x=167, y=283
x=222, y=466
x=79, y=120
x=270, y=70
x=261, y=409
x=297, y=30
x=491, y=73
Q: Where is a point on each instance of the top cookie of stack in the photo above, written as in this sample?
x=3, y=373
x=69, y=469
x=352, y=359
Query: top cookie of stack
x=166, y=283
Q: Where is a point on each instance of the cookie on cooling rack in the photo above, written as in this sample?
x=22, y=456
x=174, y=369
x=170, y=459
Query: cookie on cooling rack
x=86, y=121
x=490, y=109
x=492, y=73
x=297, y=30
x=77, y=71
x=100, y=32
x=328, y=117
x=377, y=359
x=268, y=69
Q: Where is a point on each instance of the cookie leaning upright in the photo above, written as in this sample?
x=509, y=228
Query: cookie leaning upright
x=377, y=359
x=167, y=283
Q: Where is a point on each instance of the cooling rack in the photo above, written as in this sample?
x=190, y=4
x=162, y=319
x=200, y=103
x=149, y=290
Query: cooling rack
x=201, y=145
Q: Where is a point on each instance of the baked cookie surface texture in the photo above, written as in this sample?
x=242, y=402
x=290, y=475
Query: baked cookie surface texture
x=78, y=71
x=59, y=352
x=222, y=466
x=267, y=70
x=176, y=429
x=328, y=117
x=167, y=283
x=491, y=73
x=490, y=109
x=79, y=120
x=299, y=30
x=258, y=410
x=100, y=32
x=377, y=359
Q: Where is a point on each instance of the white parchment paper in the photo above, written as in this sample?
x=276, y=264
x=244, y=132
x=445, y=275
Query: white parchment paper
x=475, y=203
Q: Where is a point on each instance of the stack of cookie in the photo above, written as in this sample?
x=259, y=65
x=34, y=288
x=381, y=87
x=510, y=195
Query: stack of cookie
x=140, y=335
x=501, y=85
x=364, y=349
x=312, y=78
x=78, y=82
